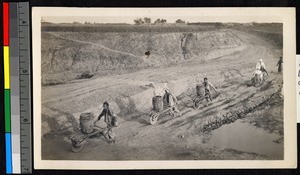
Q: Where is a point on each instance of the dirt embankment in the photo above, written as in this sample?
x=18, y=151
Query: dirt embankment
x=71, y=55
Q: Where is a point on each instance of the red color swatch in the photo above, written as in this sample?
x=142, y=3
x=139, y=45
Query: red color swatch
x=5, y=24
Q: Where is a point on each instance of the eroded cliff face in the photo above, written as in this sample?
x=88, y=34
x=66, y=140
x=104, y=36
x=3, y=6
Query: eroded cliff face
x=72, y=55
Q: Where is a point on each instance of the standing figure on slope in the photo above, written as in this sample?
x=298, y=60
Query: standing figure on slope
x=279, y=64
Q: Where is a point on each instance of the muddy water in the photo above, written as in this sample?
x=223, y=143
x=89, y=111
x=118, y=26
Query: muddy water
x=243, y=136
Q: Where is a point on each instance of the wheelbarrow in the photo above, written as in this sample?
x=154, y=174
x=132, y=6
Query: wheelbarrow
x=198, y=99
x=78, y=139
x=154, y=115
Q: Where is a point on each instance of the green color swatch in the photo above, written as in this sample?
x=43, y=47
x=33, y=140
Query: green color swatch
x=7, y=110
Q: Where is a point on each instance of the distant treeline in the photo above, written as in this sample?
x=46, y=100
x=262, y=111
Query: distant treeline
x=178, y=27
x=190, y=27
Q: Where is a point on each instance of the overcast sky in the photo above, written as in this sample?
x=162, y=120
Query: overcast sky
x=127, y=15
x=110, y=19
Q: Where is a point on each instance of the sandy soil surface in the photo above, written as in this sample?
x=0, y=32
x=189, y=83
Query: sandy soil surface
x=171, y=138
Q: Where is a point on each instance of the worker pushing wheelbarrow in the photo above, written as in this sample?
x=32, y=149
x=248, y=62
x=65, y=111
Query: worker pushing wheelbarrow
x=90, y=129
x=163, y=104
x=204, y=91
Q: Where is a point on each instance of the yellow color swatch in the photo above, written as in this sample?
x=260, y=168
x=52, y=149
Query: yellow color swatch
x=6, y=67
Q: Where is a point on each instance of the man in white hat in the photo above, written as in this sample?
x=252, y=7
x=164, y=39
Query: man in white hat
x=159, y=89
x=261, y=66
x=170, y=101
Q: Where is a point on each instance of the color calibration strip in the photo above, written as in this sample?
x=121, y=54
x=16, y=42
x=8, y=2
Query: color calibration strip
x=7, y=106
x=17, y=101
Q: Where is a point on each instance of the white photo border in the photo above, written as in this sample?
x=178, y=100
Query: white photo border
x=238, y=15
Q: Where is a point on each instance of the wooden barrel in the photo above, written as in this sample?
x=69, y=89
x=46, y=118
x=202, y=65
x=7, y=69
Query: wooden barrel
x=157, y=103
x=87, y=122
x=200, y=90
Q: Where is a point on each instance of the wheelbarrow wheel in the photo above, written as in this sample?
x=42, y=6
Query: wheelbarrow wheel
x=195, y=105
x=172, y=114
x=257, y=84
x=153, y=118
x=77, y=147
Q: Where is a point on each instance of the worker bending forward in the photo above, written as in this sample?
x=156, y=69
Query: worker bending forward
x=207, y=89
x=170, y=100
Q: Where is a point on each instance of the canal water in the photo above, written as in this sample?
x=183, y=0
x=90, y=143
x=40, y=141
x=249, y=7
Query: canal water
x=243, y=136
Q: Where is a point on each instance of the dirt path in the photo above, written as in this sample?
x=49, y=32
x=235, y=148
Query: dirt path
x=99, y=45
x=171, y=138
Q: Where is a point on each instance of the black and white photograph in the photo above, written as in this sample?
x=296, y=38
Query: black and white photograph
x=165, y=85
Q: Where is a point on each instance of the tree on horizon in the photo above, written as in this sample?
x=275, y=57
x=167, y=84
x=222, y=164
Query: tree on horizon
x=147, y=20
x=179, y=21
x=138, y=21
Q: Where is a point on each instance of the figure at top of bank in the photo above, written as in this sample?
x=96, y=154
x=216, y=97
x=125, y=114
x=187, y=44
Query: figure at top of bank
x=207, y=87
x=111, y=121
x=261, y=66
x=279, y=64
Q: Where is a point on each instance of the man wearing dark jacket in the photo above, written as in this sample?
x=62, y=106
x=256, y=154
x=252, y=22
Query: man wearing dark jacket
x=279, y=64
x=110, y=120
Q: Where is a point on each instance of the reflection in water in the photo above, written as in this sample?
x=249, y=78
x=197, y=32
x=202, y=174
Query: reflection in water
x=247, y=138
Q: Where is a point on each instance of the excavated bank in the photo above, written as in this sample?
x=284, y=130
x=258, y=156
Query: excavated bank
x=68, y=56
